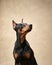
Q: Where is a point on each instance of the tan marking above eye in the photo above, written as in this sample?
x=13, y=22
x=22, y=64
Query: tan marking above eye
x=19, y=31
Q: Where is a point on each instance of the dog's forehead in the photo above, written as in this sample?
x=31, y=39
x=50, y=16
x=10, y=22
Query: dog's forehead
x=21, y=25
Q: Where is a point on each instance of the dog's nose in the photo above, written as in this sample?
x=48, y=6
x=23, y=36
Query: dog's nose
x=30, y=26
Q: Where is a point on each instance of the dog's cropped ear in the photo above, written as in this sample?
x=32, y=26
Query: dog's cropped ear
x=14, y=24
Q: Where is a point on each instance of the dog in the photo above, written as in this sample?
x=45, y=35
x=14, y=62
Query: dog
x=23, y=53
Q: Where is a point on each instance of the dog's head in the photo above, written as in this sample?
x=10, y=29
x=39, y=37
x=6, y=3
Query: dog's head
x=22, y=27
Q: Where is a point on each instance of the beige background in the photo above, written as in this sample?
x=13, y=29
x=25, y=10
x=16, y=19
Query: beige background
x=37, y=12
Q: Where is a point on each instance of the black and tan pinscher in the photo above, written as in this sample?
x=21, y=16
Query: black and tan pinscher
x=23, y=54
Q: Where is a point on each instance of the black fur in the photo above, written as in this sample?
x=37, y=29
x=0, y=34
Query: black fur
x=21, y=49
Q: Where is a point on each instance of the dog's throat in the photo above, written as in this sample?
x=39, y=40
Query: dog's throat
x=21, y=37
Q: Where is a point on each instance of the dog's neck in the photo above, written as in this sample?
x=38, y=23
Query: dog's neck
x=21, y=36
